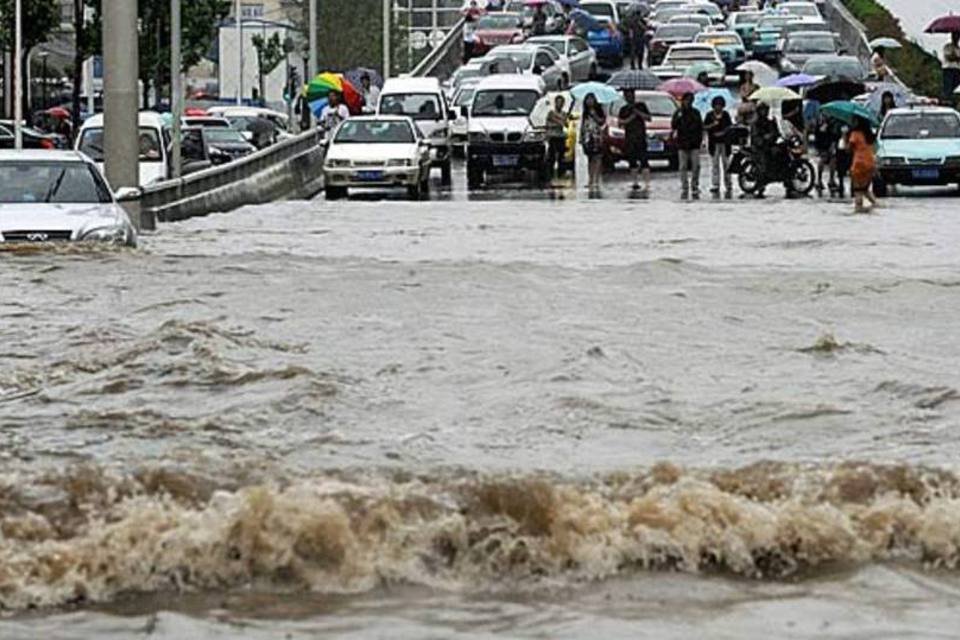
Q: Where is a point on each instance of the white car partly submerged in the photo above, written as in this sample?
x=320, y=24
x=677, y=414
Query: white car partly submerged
x=59, y=196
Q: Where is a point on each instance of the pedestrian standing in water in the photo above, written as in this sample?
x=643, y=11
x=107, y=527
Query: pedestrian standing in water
x=863, y=164
x=717, y=124
x=634, y=117
x=557, y=135
x=687, y=130
x=591, y=139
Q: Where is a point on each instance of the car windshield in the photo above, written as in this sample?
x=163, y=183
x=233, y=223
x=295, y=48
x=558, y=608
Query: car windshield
x=660, y=106
x=664, y=15
x=91, y=143
x=464, y=97
x=812, y=44
x=598, y=9
x=921, y=125
x=721, y=39
x=523, y=59
x=56, y=182
x=692, y=18
x=375, y=132
x=683, y=55
x=746, y=17
x=802, y=10
x=558, y=45
x=677, y=31
x=835, y=68
x=419, y=106
x=774, y=22
x=223, y=135
x=706, y=8
x=501, y=21
x=504, y=102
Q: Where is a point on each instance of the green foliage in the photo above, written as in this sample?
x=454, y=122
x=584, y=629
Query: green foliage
x=913, y=64
x=40, y=18
x=350, y=34
x=270, y=52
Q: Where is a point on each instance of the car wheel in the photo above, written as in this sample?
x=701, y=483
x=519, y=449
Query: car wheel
x=880, y=187
x=335, y=193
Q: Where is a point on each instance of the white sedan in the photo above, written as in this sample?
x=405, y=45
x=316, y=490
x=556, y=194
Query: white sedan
x=59, y=196
x=379, y=152
x=576, y=56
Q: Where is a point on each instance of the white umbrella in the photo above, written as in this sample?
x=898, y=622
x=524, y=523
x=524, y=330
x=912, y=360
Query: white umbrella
x=763, y=75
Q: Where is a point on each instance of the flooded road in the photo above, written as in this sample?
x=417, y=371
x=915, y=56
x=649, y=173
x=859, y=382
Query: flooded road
x=540, y=417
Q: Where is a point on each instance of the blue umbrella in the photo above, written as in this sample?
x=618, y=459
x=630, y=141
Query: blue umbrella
x=798, y=80
x=584, y=20
x=901, y=96
x=605, y=93
x=703, y=100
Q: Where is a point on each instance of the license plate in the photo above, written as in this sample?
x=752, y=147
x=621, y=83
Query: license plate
x=655, y=146
x=505, y=161
x=370, y=176
x=926, y=174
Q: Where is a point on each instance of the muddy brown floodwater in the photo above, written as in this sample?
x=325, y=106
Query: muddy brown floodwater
x=536, y=419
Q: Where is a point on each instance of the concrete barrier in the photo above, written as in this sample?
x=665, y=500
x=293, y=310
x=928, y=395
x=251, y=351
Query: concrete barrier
x=852, y=33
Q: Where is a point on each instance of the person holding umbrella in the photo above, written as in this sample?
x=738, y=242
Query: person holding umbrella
x=951, y=65
x=633, y=118
x=687, y=130
x=334, y=113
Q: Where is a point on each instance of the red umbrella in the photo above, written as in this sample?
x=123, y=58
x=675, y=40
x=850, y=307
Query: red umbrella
x=679, y=86
x=944, y=24
x=58, y=112
x=351, y=97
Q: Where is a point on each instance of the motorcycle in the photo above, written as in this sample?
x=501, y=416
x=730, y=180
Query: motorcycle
x=789, y=166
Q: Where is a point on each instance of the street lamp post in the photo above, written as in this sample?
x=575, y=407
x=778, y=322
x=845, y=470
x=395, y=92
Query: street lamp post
x=18, y=74
x=176, y=84
x=239, y=27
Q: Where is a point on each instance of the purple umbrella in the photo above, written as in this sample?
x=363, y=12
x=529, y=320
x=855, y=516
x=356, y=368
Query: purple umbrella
x=944, y=24
x=798, y=80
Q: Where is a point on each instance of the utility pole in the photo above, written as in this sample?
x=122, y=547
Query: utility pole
x=239, y=25
x=120, y=95
x=312, y=30
x=386, y=39
x=18, y=74
x=176, y=84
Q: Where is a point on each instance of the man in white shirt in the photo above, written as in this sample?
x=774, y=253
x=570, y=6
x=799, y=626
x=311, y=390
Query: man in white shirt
x=334, y=113
x=371, y=93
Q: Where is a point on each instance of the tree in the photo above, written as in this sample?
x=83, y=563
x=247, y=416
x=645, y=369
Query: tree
x=199, y=25
x=40, y=18
x=270, y=53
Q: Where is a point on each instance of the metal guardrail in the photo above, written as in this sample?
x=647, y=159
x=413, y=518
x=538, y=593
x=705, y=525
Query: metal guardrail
x=446, y=57
x=853, y=34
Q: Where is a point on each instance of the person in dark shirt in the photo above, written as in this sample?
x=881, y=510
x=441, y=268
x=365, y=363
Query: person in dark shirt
x=687, y=131
x=763, y=140
x=539, y=21
x=717, y=124
x=633, y=119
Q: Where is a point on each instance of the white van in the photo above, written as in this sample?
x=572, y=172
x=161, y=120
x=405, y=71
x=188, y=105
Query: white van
x=154, y=141
x=423, y=100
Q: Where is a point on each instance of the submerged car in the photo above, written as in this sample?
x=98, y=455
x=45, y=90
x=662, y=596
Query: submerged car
x=59, y=196
x=918, y=146
x=377, y=151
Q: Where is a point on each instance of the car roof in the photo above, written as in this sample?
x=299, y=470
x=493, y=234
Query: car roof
x=714, y=34
x=692, y=45
x=696, y=26
x=406, y=85
x=382, y=118
x=144, y=119
x=922, y=109
x=41, y=155
x=511, y=81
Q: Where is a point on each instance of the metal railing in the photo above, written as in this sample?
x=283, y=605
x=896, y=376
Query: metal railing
x=444, y=58
x=853, y=34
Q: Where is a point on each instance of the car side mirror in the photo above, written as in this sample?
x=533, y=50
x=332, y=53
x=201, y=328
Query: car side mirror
x=126, y=194
x=465, y=111
x=537, y=70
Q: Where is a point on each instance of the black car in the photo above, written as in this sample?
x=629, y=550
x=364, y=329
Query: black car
x=226, y=144
x=32, y=139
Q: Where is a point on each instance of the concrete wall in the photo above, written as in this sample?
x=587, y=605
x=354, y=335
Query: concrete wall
x=229, y=76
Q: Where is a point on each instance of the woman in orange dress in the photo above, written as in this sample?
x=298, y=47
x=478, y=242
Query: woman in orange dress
x=863, y=164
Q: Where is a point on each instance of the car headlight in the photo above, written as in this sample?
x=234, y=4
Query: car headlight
x=534, y=136
x=892, y=160
x=334, y=164
x=116, y=234
x=399, y=162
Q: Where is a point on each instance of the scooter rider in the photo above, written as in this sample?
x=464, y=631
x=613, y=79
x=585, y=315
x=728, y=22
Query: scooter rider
x=766, y=152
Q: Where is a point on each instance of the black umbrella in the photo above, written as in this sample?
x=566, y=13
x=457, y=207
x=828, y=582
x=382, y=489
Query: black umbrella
x=641, y=80
x=831, y=90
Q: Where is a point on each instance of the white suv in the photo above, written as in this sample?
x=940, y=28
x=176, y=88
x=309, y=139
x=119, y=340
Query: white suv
x=500, y=136
x=422, y=99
